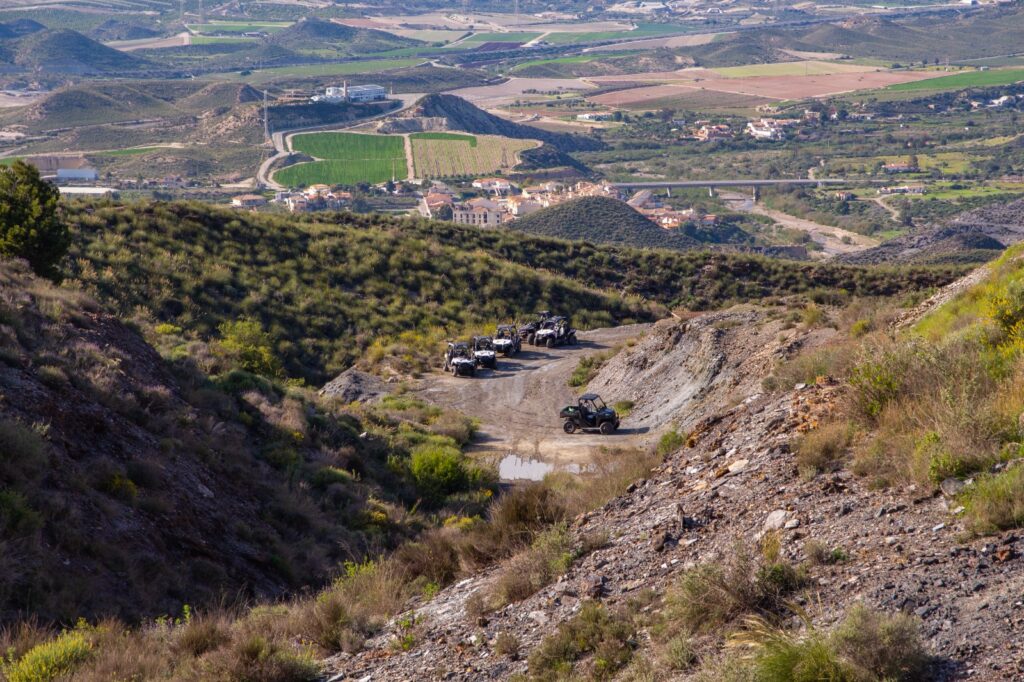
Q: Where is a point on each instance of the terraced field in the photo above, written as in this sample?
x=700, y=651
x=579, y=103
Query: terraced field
x=438, y=155
x=345, y=159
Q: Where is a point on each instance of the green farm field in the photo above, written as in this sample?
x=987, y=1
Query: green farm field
x=969, y=79
x=439, y=155
x=345, y=159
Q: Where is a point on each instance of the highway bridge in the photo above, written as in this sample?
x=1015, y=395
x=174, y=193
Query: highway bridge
x=712, y=184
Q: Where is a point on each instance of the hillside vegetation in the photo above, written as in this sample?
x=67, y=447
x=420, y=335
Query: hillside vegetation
x=937, y=403
x=602, y=220
x=334, y=290
x=132, y=485
x=970, y=34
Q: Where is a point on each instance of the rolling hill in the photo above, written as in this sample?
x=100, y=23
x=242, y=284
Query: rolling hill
x=964, y=34
x=462, y=115
x=602, y=220
x=70, y=53
x=312, y=34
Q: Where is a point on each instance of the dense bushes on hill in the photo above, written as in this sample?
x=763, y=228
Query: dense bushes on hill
x=324, y=291
x=328, y=287
x=131, y=485
x=602, y=220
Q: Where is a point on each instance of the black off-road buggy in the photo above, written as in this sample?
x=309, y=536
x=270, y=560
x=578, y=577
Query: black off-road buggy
x=589, y=414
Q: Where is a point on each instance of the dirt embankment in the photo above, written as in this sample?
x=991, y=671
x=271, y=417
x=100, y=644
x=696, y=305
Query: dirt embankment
x=904, y=551
x=676, y=373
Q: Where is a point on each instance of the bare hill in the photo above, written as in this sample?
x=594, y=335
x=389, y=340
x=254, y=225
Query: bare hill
x=462, y=115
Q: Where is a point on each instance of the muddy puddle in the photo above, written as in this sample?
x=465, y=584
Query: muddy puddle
x=512, y=467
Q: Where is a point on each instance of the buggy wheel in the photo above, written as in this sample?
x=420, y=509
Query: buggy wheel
x=551, y=343
x=531, y=339
x=607, y=428
x=569, y=426
x=572, y=340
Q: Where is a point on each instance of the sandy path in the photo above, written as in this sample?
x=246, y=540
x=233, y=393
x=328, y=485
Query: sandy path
x=518, y=404
x=410, y=168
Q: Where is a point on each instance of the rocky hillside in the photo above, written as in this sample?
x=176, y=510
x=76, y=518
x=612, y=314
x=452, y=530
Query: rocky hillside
x=974, y=236
x=755, y=550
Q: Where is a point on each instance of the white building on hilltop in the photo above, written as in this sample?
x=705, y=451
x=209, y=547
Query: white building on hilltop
x=353, y=93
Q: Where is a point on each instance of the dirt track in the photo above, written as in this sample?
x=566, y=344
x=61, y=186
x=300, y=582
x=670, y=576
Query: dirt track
x=518, y=404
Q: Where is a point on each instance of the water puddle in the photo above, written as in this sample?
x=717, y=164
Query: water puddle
x=512, y=467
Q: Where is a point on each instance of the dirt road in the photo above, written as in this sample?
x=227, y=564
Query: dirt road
x=831, y=238
x=518, y=405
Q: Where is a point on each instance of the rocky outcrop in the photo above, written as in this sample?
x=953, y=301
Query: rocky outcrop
x=905, y=552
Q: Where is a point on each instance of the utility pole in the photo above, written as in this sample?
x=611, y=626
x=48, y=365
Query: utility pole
x=517, y=13
x=202, y=13
x=266, y=118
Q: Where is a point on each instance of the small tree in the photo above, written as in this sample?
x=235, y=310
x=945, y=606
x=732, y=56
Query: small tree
x=29, y=225
x=248, y=347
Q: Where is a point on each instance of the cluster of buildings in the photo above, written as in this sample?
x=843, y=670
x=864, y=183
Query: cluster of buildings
x=901, y=189
x=770, y=128
x=314, y=198
x=506, y=204
x=352, y=93
x=650, y=206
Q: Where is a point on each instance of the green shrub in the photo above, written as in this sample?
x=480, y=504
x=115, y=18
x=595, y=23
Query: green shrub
x=782, y=656
x=824, y=448
x=16, y=516
x=623, y=408
x=22, y=452
x=248, y=347
x=609, y=636
x=996, y=501
x=886, y=647
x=506, y=644
x=669, y=442
x=438, y=471
x=53, y=659
x=860, y=328
x=588, y=367
x=328, y=476
x=712, y=595
x=167, y=329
